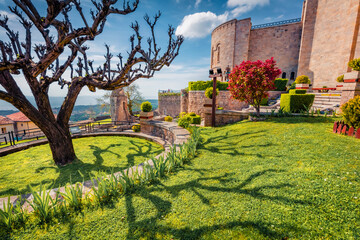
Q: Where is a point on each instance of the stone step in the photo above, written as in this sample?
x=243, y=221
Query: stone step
x=328, y=97
x=326, y=102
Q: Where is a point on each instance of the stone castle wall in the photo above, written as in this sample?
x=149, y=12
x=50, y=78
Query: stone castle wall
x=320, y=46
x=169, y=105
x=329, y=39
x=194, y=101
x=281, y=42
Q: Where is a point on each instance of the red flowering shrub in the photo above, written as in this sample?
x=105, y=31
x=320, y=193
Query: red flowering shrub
x=250, y=81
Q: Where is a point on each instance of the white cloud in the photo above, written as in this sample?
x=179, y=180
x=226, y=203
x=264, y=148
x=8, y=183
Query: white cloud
x=274, y=18
x=200, y=24
x=197, y=3
x=243, y=6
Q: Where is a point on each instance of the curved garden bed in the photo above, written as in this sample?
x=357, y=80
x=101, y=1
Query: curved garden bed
x=96, y=153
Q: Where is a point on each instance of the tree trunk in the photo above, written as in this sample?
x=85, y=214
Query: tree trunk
x=61, y=144
x=257, y=110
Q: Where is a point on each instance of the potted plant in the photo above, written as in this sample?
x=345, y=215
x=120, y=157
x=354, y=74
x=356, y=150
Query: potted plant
x=353, y=76
x=208, y=99
x=146, y=113
x=302, y=82
x=340, y=80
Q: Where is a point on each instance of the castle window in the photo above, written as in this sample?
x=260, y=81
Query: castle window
x=292, y=76
x=215, y=58
x=283, y=75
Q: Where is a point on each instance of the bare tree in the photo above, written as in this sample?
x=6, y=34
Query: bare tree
x=40, y=64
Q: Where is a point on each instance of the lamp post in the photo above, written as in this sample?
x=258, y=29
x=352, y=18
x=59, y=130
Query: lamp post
x=214, y=76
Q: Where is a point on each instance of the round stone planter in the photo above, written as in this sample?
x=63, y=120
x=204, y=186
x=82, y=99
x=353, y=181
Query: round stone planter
x=146, y=116
x=302, y=86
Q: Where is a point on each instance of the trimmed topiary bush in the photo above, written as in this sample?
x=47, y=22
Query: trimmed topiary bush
x=203, y=85
x=146, y=107
x=302, y=80
x=296, y=102
x=340, y=78
x=280, y=84
x=355, y=64
x=168, y=119
x=209, y=92
x=351, y=112
x=297, y=91
x=184, y=121
x=136, y=128
x=192, y=114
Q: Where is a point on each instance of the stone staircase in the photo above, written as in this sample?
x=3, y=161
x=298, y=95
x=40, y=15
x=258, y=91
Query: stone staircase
x=324, y=101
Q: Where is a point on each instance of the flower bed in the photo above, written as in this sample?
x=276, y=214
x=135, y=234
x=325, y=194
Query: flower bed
x=341, y=128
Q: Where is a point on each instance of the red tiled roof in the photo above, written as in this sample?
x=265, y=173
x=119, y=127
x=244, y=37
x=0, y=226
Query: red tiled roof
x=18, y=117
x=5, y=120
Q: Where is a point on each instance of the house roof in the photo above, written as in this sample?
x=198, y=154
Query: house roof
x=18, y=117
x=5, y=120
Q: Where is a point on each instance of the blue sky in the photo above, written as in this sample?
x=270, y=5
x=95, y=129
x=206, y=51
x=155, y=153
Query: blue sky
x=195, y=19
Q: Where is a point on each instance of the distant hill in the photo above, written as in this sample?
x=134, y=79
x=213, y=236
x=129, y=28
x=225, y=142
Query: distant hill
x=80, y=111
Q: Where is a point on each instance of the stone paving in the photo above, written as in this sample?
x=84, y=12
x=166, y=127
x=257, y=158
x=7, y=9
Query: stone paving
x=180, y=136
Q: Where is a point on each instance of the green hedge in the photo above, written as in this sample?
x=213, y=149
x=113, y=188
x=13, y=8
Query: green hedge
x=296, y=102
x=203, y=85
x=297, y=91
x=280, y=84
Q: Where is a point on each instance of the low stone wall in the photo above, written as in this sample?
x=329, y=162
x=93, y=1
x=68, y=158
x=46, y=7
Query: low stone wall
x=223, y=117
x=196, y=101
x=168, y=131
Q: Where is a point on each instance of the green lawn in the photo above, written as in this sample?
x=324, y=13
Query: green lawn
x=288, y=178
x=35, y=165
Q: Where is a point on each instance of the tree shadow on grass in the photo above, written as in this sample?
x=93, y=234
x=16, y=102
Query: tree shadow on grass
x=150, y=227
x=70, y=173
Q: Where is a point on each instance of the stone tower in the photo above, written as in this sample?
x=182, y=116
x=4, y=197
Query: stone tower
x=119, y=108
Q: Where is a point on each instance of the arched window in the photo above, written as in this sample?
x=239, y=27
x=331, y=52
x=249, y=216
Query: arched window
x=215, y=55
x=283, y=75
x=292, y=76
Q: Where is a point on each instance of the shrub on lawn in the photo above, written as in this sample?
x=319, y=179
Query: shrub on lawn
x=355, y=64
x=340, y=78
x=184, y=121
x=203, y=85
x=168, y=119
x=297, y=91
x=280, y=84
x=296, y=102
x=146, y=107
x=195, y=119
x=136, y=128
x=351, y=112
x=209, y=92
x=302, y=80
